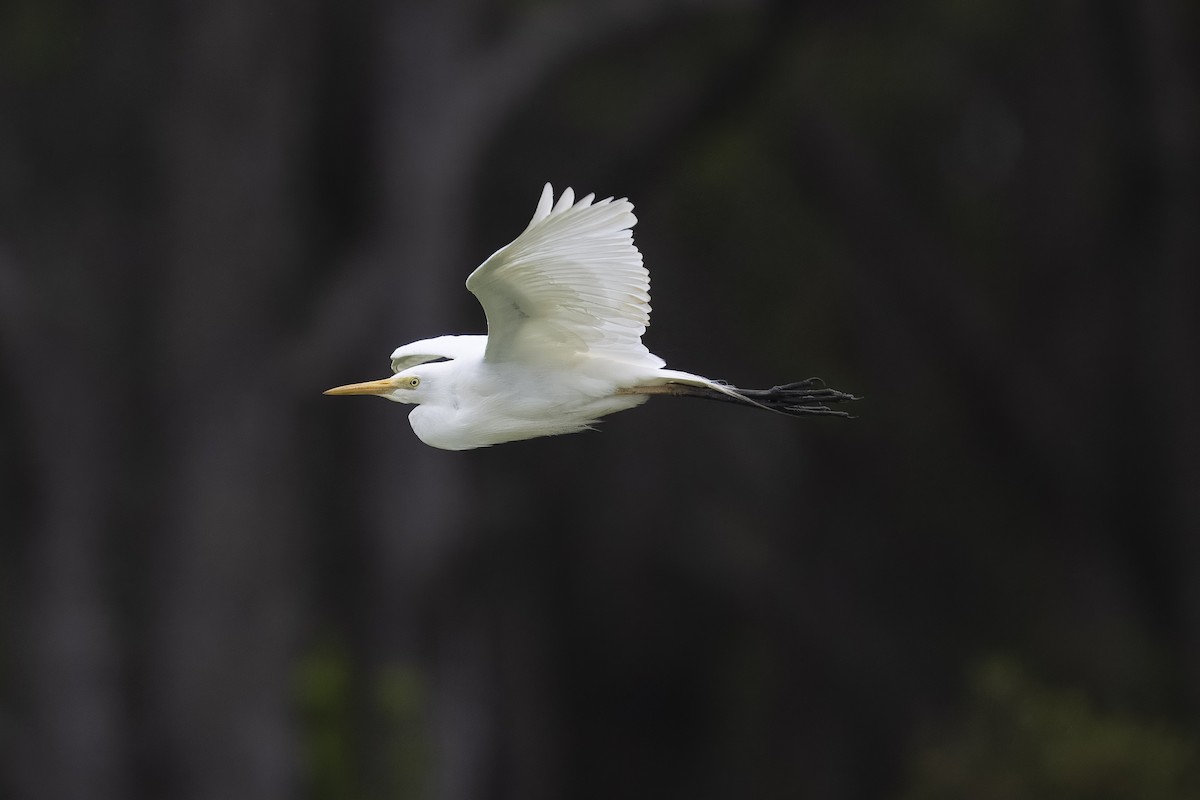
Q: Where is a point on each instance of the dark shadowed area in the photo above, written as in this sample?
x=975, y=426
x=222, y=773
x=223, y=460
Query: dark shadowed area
x=984, y=218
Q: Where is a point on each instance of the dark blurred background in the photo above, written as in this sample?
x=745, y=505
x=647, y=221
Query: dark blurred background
x=983, y=217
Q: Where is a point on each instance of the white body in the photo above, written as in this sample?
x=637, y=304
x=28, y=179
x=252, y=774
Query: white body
x=481, y=403
x=567, y=303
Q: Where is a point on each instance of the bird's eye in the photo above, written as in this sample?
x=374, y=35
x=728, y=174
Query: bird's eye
x=414, y=382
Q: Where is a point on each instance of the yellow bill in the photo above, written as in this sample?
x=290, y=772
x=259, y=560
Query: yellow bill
x=383, y=386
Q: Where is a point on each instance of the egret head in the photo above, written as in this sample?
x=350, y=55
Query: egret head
x=403, y=387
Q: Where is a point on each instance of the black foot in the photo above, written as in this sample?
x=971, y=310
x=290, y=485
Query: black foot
x=800, y=398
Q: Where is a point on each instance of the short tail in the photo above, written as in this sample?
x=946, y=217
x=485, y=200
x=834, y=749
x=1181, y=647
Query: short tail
x=807, y=398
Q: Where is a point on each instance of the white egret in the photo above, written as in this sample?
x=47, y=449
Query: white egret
x=567, y=303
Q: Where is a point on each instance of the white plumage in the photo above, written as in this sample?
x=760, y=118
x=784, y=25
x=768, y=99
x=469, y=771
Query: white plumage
x=572, y=282
x=567, y=303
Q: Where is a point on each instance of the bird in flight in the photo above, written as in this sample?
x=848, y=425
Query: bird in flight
x=567, y=303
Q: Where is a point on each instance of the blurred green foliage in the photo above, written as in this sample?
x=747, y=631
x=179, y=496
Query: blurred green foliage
x=400, y=697
x=326, y=683
x=1022, y=740
x=323, y=696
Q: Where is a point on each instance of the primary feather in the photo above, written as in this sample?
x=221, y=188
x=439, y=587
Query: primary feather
x=571, y=283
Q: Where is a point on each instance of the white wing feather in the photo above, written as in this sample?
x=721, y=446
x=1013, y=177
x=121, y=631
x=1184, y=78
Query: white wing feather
x=425, y=350
x=571, y=284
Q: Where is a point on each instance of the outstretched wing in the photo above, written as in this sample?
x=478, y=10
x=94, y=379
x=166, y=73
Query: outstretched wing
x=572, y=283
x=425, y=350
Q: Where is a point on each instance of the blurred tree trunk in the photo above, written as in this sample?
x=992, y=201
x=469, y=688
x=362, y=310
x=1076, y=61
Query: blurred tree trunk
x=69, y=250
x=72, y=743
x=1173, y=99
x=225, y=574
